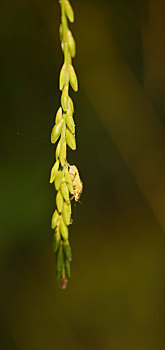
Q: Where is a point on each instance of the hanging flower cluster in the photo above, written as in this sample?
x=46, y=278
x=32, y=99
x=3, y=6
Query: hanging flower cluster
x=64, y=176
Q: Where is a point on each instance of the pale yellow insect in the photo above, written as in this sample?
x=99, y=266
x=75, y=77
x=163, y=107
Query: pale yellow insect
x=76, y=181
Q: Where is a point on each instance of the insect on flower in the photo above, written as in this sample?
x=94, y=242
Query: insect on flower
x=76, y=181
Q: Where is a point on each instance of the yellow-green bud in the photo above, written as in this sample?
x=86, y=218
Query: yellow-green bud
x=71, y=43
x=58, y=116
x=69, y=11
x=67, y=268
x=66, y=213
x=58, y=180
x=70, y=140
x=55, y=218
x=63, y=76
x=63, y=132
x=63, y=229
x=70, y=122
x=64, y=98
x=67, y=250
x=63, y=154
x=65, y=191
x=73, y=78
x=70, y=105
x=59, y=259
x=54, y=171
x=56, y=240
x=58, y=149
x=68, y=180
x=59, y=201
x=56, y=131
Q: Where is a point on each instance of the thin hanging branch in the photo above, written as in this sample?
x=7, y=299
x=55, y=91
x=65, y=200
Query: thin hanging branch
x=64, y=176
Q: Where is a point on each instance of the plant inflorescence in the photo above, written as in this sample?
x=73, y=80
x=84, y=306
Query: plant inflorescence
x=64, y=176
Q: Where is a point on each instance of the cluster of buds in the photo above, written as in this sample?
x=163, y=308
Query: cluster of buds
x=65, y=177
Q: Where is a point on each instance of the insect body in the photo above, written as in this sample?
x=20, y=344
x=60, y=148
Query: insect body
x=76, y=181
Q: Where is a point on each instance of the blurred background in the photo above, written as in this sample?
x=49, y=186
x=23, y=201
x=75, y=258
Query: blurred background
x=116, y=296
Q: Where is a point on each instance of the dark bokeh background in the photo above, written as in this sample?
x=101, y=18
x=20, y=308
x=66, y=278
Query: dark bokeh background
x=116, y=296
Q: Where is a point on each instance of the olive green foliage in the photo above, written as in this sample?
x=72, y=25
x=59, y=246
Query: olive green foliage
x=64, y=132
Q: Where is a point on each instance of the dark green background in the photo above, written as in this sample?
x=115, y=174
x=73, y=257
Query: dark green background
x=115, y=298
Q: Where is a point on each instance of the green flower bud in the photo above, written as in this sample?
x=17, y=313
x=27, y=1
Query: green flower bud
x=68, y=180
x=64, y=98
x=64, y=75
x=69, y=11
x=70, y=122
x=59, y=201
x=55, y=218
x=67, y=268
x=63, y=154
x=70, y=105
x=70, y=140
x=56, y=131
x=69, y=207
x=63, y=229
x=65, y=191
x=71, y=43
x=63, y=132
x=56, y=240
x=66, y=214
x=73, y=78
x=58, y=180
x=58, y=149
x=59, y=259
x=67, y=250
x=54, y=171
x=67, y=56
x=58, y=116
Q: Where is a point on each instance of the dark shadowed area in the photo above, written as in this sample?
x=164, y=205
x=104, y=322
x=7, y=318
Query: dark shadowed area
x=116, y=296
